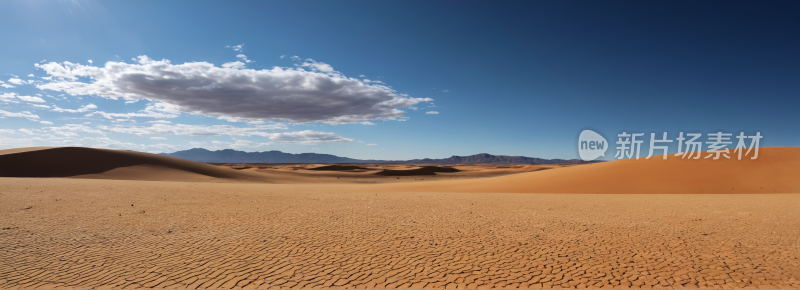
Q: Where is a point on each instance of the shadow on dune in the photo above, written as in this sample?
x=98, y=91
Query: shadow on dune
x=73, y=161
x=338, y=168
x=426, y=170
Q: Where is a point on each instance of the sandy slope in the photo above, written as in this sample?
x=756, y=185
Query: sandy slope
x=777, y=170
x=93, y=163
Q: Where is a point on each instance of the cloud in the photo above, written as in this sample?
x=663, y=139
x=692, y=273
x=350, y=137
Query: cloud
x=318, y=66
x=73, y=129
x=157, y=110
x=26, y=131
x=234, y=65
x=277, y=94
x=41, y=106
x=283, y=56
x=158, y=138
x=31, y=99
x=367, y=123
x=445, y=91
x=16, y=81
x=8, y=97
x=362, y=76
x=236, y=47
x=46, y=122
x=294, y=57
x=240, y=144
x=195, y=130
x=90, y=61
x=431, y=113
x=30, y=75
x=301, y=137
x=82, y=109
x=23, y=114
x=308, y=137
x=372, y=144
x=244, y=58
x=160, y=122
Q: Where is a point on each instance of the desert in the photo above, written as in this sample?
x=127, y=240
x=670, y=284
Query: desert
x=114, y=219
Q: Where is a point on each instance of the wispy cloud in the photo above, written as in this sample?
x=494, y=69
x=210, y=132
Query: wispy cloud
x=236, y=47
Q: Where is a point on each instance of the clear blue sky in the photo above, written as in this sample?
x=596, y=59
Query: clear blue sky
x=506, y=78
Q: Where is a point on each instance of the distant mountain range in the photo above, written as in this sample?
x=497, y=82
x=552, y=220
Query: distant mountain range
x=234, y=156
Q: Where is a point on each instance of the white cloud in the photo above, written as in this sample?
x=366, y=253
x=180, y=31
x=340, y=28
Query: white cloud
x=362, y=76
x=301, y=137
x=158, y=138
x=318, y=66
x=8, y=97
x=240, y=144
x=82, y=109
x=294, y=57
x=90, y=61
x=367, y=123
x=372, y=144
x=41, y=106
x=31, y=99
x=445, y=91
x=156, y=110
x=244, y=58
x=432, y=113
x=26, y=131
x=236, y=47
x=160, y=122
x=73, y=129
x=308, y=137
x=234, y=65
x=46, y=122
x=277, y=94
x=23, y=114
x=30, y=75
x=16, y=81
x=194, y=130
x=283, y=56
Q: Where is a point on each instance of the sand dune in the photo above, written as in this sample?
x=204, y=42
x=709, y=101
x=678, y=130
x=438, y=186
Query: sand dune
x=338, y=168
x=111, y=164
x=775, y=171
x=425, y=170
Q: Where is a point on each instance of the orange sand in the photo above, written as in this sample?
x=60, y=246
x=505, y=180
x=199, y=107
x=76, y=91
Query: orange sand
x=239, y=230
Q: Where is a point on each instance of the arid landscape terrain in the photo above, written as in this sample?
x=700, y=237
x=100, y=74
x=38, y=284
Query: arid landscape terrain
x=112, y=219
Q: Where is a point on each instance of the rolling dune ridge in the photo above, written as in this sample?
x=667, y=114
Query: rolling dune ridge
x=200, y=226
x=775, y=171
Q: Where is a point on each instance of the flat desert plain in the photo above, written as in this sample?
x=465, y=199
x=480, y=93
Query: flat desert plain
x=110, y=219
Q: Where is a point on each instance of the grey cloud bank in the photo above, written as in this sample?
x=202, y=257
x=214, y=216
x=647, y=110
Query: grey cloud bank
x=319, y=94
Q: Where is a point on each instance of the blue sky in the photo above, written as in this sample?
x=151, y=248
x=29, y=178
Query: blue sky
x=510, y=78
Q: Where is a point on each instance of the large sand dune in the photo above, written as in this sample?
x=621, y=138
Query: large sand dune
x=110, y=164
x=775, y=171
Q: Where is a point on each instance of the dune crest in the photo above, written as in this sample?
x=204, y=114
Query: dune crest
x=775, y=171
x=94, y=163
